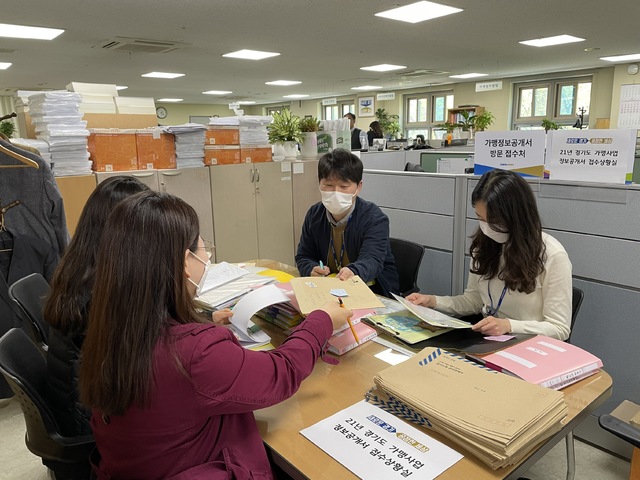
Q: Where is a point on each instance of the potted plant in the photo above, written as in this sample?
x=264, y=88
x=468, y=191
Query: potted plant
x=388, y=122
x=7, y=128
x=285, y=131
x=482, y=121
x=549, y=125
x=309, y=125
x=466, y=123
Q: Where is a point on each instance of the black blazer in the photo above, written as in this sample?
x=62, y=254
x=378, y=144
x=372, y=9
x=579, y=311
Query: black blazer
x=355, y=139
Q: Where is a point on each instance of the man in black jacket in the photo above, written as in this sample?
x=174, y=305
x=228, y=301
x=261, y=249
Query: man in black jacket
x=345, y=234
x=355, y=132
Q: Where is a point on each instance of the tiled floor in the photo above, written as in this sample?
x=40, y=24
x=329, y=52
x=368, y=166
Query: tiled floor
x=17, y=463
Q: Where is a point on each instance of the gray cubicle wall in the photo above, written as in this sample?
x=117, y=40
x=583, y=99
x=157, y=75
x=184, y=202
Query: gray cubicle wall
x=599, y=227
x=422, y=208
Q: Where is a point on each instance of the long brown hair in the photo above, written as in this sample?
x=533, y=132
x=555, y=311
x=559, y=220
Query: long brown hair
x=66, y=306
x=143, y=291
x=510, y=206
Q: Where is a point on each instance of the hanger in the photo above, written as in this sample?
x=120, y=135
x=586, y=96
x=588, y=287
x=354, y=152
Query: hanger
x=26, y=162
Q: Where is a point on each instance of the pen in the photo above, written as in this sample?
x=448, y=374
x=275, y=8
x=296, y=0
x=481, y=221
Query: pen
x=349, y=322
x=321, y=265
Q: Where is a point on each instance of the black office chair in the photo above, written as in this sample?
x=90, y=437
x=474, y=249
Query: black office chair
x=30, y=293
x=25, y=370
x=576, y=302
x=413, y=167
x=408, y=256
x=626, y=432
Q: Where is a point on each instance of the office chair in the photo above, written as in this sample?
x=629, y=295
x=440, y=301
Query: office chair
x=413, y=167
x=628, y=433
x=25, y=370
x=408, y=256
x=30, y=293
x=576, y=301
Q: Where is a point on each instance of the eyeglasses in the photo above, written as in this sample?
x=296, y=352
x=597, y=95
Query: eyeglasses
x=209, y=247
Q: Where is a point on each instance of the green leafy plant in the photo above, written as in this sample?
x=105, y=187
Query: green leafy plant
x=549, y=125
x=482, y=121
x=448, y=126
x=284, y=128
x=7, y=128
x=389, y=122
x=467, y=120
x=309, y=124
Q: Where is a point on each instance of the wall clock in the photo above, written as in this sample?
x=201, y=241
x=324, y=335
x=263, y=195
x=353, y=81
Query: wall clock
x=632, y=69
x=161, y=112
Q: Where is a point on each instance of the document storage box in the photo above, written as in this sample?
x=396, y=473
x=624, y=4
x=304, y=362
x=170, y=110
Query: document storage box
x=222, y=135
x=221, y=155
x=256, y=153
x=155, y=151
x=112, y=150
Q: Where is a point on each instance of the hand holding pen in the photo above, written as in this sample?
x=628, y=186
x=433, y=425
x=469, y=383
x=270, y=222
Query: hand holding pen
x=349, y=321
x=320, y=271
x=338, y=313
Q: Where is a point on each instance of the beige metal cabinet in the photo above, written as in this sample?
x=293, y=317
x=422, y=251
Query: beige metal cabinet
x=148, y=177
x=193, y=186
x=75, y=191
x=306, y=192
x=253, y=211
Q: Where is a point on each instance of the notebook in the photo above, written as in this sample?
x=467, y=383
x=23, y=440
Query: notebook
x=545, y=361
x=343, y=341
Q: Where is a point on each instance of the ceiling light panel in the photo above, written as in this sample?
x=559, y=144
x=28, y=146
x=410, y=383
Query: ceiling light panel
x=296, y=96
x=469, y=75
x=121, y=87
x=550, y=41
x=622, y=58
x=283, y=83
x=217, y=92
x=367, y=87
x=4, y=65
x=383, y=67
x=418, y=12
x=34, y=33
x=170, y=100
x=251, y=54
x=162, y=75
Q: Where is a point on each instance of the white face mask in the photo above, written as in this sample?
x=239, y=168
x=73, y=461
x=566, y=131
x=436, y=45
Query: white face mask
x=200, y=284
x=500, y=237
x=336, y=202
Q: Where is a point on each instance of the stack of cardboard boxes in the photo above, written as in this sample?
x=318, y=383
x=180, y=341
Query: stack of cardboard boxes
x=223, y=147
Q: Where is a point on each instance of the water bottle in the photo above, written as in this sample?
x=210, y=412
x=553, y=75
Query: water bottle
x=364, y=141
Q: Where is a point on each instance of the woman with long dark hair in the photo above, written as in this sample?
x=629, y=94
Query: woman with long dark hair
x=520, y=277
x=375, y=131
x=67, y=307
x=172, y=396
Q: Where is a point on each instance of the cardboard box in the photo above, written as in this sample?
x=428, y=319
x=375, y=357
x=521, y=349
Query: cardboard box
x=155, y=150
x=113, y=150
x=221, y=155
x=628, y=412
x=222, y=135
x=25, y=127
x=75, y=191
x=256, y=153
x=120, y=120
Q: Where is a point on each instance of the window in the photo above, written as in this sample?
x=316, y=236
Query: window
x=560, y=101
x=424, y=111
x=278, y=109
x=334, y=112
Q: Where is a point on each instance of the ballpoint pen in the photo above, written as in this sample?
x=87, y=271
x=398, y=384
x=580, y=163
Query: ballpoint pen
x=321, y=265
x=349, y=322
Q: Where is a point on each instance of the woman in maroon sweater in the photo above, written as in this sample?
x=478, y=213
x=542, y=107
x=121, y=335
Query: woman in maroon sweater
x=172, y=396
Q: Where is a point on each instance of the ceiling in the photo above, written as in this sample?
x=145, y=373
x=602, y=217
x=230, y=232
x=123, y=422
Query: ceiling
x=323, y=43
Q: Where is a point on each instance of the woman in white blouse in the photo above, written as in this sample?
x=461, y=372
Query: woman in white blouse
x=520, y=277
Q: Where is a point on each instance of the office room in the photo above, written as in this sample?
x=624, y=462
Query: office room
x=136, y=75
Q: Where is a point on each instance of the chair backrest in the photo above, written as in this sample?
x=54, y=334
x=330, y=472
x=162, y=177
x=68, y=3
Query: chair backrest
x=413, y=167
x=30, y=293
x=576, y=301
x=408, y=256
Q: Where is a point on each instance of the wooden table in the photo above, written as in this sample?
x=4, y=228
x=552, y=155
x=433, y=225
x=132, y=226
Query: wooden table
x=331, y=388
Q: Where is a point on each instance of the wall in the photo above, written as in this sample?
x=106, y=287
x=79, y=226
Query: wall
x=605, y=99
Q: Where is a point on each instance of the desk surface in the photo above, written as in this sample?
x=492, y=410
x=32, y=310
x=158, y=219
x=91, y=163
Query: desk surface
x=331, y=388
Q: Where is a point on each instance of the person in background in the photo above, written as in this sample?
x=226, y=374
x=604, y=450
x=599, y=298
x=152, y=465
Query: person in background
x=344, y=234
x=520, y=277
x=375, y=131
x=355, y=132
x=173, y=395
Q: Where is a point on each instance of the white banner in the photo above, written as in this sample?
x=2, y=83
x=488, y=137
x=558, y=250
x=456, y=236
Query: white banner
x=519, y=150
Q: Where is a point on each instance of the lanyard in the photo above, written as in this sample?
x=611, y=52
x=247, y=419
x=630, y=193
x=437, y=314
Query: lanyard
x=338, y=260
x=489, y=311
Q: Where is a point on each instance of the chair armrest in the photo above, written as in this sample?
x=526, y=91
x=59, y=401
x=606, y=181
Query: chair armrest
x=620, y=429
x=87, y=440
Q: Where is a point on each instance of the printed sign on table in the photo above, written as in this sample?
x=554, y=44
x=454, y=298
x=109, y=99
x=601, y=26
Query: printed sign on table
x=521, y=151
x=376, y=445
x=602, y=156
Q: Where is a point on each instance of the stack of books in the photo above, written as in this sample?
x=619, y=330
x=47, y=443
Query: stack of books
x=496, y=417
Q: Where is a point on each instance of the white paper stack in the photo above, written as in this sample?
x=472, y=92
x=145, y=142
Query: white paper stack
x=58, y=121
x=253, y=129
x=224, y=121
x=135, y=105
x=190, y=139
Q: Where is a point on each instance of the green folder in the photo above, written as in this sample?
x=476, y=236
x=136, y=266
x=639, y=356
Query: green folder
x=404, y=326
